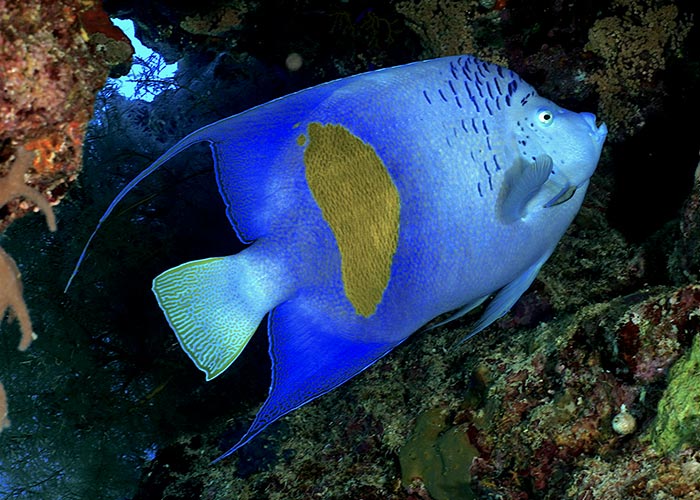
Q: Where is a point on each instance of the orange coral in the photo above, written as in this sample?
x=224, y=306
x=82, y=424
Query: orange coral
x=11, y=297
x=4, y=421
x=13, y=186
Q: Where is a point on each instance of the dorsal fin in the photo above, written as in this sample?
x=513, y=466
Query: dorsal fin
x=195, y=137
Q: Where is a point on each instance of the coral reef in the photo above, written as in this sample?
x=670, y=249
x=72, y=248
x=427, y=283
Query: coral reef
x=561, y=409
x=12, y=186
x=676, y=424
x=11, y=298
x=634, y=45
x=51, y=66
x=439, y=457
x=537, y=400
x=538, y=403
x=637, y=473
x=449, y=27
x=684, y=262
x=4, y=421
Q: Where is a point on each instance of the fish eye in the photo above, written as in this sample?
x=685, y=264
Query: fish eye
x=545, y=117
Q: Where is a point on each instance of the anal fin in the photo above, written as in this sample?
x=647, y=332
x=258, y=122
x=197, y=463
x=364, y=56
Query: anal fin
x=309, y=359
x=506, y=298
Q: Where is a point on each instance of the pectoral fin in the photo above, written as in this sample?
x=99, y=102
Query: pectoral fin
x=523, y=182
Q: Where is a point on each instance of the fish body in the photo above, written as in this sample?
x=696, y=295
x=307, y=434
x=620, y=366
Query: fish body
x=374, y=204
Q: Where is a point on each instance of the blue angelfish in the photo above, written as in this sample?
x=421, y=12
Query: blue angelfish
x=374, y=204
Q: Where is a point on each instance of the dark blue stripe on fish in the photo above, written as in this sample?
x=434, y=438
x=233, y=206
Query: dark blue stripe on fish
x=478, y=186
x=469, y=91
x=442, y=95
x=498, y=103
x=495, y=82
x=486, y=102
x=507, y=100
x=453, y=70
x=487, y=170
x=488, y=89
x=490, y=184
x=478, y=88
x=476, y=130
x=476, y=105
x=488, y=143
x=452, y=88
x=499, y=69
x=467, y=75
x=457, y=101
x=425, y=94
x=495, y=162
x=483, y=123
x=464, y=126
x=512, y=87
x=471, y=153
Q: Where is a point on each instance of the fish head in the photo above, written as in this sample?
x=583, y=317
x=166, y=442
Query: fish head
x=572, y=140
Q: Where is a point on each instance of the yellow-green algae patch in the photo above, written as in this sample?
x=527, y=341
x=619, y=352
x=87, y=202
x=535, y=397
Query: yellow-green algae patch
x=439, y=455
x=677, y=423
x=360, y=203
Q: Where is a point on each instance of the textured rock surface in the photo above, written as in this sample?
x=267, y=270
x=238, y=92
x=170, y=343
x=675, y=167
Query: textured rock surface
x=608, y=317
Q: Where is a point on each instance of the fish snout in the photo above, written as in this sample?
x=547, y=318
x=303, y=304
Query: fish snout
x=597, y=133
x=601, y=133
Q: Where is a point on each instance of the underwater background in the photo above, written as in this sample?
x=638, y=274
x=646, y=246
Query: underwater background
x=587, y=389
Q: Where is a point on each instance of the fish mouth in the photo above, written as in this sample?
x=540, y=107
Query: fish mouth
x=597, y=133
x=600, y=134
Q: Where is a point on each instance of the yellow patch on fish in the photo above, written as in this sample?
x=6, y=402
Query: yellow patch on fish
x=360, y=203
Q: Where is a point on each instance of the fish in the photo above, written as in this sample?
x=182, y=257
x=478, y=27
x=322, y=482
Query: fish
x=372, y=205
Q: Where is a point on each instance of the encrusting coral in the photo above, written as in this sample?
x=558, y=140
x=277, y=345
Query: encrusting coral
x=13, y=186
x=635, y=47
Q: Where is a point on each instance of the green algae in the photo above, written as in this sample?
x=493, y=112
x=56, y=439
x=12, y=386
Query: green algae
x=440, y=455
x=678, y=419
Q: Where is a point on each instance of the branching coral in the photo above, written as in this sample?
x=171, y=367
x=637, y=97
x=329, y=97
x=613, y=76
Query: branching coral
x=13, y=186
x=4, y=421
x=11, y=297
